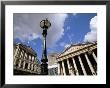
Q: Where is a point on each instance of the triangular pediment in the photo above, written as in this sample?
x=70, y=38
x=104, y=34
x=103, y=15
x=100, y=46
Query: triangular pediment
x=74, y=48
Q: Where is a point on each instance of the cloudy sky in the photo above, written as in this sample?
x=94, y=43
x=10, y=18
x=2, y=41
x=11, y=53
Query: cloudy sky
x=65, y=29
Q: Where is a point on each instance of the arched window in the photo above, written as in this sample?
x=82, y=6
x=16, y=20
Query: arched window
x=32, y=58
x=29, y=57
x=31, y=66
x=17, y=63
x=35, y=68
x=26, y=66
x=22, y=63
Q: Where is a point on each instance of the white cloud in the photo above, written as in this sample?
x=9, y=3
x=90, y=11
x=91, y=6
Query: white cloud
x=68, y=28
x=62, y=44
x=65, y=45
x=92, y=35
x=27, y=26
x=70, y=37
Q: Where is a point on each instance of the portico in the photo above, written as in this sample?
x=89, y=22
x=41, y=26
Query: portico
x=78, y=62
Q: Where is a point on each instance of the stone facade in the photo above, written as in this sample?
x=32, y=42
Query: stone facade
x=52, y=64
x=25, y=60
x=79, y=59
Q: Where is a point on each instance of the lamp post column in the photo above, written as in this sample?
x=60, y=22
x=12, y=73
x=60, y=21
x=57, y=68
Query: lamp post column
x=44, y=60
x=44, y=24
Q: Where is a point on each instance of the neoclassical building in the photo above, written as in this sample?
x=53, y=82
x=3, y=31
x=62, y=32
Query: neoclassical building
x=79, y=59
x=25, y=60
x=52, y=64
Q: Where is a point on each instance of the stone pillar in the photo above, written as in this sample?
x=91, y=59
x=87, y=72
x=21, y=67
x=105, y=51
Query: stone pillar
x=24, y=65
x=15, y=55
x=33, y=58
x=68, y=66
x=76, y=70
x=64, y=72
x=90, y=65
x=31, y=66
x=15, y=61
x=35, y=68
x=94, y=56
x=20, y=54
x=28, y=65
x=16, y=51
x=23, y=54
x=29, y=57
x=59, y=68
x=19, y=64
x=82, y=66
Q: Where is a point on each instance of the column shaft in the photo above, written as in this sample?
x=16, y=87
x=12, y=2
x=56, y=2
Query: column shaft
x=68, y=66
x=31, y=66
x=58, y=68
x=28, y=65
x=64, y=72
x=19, y=64
x=15, y=52
x=89, y=63
x=24, y=65
x=94, y=56
x=82, y=66
x=76, y=70
x=15, y=55
x=61, y=68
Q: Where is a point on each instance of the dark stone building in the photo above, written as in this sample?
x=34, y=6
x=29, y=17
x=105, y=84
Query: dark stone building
x=25, y=61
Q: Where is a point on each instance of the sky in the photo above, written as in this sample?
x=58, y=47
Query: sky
x=66, y=29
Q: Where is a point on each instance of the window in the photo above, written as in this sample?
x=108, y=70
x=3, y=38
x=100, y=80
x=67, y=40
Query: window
x=17, y=63
x=26, y=66
x=32, y=58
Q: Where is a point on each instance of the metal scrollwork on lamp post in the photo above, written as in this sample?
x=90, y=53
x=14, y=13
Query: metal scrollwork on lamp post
x=44, y=24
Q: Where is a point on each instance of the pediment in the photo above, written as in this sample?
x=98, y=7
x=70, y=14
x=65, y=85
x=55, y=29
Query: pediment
x=73, y=48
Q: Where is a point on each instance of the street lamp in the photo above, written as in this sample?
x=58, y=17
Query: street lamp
x=44, y=24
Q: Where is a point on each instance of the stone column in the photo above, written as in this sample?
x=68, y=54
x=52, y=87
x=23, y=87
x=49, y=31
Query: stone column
x=19, y=64
x=64, y=72
x=28, y=65
x=35, y=68
x=68, y=66
x=24, y=65
x=31, y=66
x=23, y=54
x=89, y=63
x=82, y=66
x=59, y=68
x=33, y=58
x=29, y=57
x=15, y=61
x=94, y=56
x=20, y=54
x=15, y=55
x=76, y=70
x=16, y=50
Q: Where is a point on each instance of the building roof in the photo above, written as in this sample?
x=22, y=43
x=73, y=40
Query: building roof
x=75, y=47
x=27, y=48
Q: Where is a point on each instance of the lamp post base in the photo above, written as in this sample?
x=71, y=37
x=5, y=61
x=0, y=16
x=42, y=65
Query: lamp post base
x=44, y=68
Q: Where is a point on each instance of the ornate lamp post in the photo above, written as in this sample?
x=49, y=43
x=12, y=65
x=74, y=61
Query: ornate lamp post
x=44, y=24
